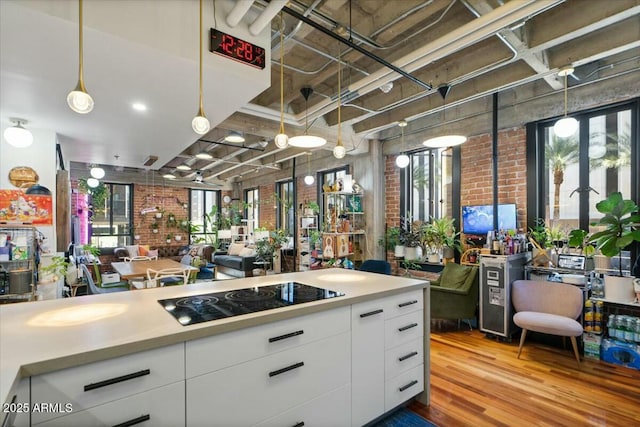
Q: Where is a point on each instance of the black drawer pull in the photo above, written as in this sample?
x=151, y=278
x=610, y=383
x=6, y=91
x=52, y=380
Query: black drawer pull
x=117, y=380
x=404, y=304
x=134, y=421
x=411, y=384
x=404, y=328
x=287, y=369
x=285, y=336
x=300, y=424
x=408, y=356
x=371, y=313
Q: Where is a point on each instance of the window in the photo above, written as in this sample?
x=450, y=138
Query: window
x=251, y=214
x=427, y=183
x=111, y=223
x=330, y=178
x=575, y=173
x=285, y=214
x=204, y=215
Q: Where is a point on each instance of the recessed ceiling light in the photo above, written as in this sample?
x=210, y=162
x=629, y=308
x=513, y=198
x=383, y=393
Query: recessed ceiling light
x=169, y=176
x=138, y=106
x=203, y=155
x=183, y=167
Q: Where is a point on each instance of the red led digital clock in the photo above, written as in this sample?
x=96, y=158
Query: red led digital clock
x=235, y=48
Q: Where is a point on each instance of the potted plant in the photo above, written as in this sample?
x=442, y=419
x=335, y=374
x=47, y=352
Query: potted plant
x=154, y=227
x=446, y=236
x=311, y=207
x=539, y=238
x=314, y=239
x=54, y=272
x=169, y=237
x=171, y=220
x=159, y=212
x=178, y=237
x=412, y=236
x=621, y=227
x=393, y=241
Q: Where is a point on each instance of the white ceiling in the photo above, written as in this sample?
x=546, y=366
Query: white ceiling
x=139, y=51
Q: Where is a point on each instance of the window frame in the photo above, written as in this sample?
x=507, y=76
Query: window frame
x=128, y=237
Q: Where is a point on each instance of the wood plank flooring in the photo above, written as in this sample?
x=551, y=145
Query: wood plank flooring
x=477, y=381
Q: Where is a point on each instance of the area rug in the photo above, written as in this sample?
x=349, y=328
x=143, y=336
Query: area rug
x=403, y=418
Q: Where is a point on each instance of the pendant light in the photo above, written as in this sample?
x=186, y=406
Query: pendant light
x=444, y=141
x=183, y=167
x=306, y=140
x=281, y=139
x=402, y=161
x=200, y=123
x=79, y=99
x=566, y=126
x=235, y=137
x=309, y=179
x=97, y=172
x=339, y=151
x=92, y=182
x=17, y=135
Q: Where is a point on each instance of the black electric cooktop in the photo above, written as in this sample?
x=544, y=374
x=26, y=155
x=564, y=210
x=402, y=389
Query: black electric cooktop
x=219, y=305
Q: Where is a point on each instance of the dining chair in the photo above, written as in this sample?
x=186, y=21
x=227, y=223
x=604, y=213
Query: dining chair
x=167, y=277
x=93, y=289
x=140, y=258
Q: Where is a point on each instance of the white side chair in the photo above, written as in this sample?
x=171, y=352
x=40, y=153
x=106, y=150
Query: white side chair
x=140, y=258
x=167, y=277
x=549, y=308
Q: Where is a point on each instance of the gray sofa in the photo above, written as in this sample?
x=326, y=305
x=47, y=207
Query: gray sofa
x=234, y=265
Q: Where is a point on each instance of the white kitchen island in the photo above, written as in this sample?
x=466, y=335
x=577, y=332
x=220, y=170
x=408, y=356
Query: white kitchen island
x=122, y=358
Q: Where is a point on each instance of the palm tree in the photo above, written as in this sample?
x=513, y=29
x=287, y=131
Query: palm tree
x=560, y=152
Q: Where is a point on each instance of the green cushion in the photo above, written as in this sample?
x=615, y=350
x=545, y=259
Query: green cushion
x=453, y=275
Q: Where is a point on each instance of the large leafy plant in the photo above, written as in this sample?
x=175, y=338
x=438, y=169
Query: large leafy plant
x=621, y=222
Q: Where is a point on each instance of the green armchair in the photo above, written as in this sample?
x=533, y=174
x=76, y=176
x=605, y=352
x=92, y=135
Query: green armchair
x=455, y=294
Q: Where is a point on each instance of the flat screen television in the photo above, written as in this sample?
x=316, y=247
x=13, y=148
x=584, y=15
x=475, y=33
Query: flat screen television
x=478, y=219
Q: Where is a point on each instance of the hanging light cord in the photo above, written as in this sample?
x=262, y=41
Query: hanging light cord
x=339, y=95
x=281, y=74
x=201, y=113
x=80, y=50
x=565, y=95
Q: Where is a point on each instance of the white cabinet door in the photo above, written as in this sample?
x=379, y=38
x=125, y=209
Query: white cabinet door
x=220, y=351
x=403, y=387
x=403, y=329
x=403, y=357
x=404, y=303
x=367, y=348
x=161, y=407
x=250, y=392
x=96, y=383
x=329, y=410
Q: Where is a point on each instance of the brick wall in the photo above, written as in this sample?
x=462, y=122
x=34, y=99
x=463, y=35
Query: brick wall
x=267, y=211
x=169, y=199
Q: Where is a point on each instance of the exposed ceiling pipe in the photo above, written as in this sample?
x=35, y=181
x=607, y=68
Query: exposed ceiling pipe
x=266, y=16
x=237, y=13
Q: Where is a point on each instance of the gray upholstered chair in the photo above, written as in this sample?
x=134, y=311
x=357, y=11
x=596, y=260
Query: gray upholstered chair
x=549, y=308
x=376, y=266
x=93, y=289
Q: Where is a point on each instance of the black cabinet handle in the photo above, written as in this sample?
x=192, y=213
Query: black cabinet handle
x=404, y=328
x=411, y=384
x=134, y=421
x=408, y=356
x=372, y=313
x=287, y=369
x=300, y=424
x=285, y=336
x=404, y=304
x=116, y=380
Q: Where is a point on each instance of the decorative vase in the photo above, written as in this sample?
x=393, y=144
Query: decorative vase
x=412, y=253
x=398, y=251
x=178, y=238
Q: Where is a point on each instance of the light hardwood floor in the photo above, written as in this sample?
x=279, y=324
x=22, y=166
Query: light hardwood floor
x=477, y=381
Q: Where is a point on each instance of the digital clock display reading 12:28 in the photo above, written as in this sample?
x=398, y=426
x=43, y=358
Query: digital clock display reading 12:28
x=235, y=48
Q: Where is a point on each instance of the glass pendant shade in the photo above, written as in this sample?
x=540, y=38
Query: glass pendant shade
x=92, y=182
x=565, y=127
x=402, y=161
x=339, y=151
x=18, y=136
x=97, y=172
x=445, y=141
x=200, y=124
x=307, y=141
x=281, y=140
x=309, y=179
x=80, y=101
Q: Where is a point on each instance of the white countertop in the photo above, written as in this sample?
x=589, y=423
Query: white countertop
x=43, y=336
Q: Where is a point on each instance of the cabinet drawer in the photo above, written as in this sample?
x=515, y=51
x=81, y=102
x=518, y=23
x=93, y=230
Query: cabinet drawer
x=405, y=303
x=100, y=382
x=403, y=329
x=162, y=406
x=329, y=410
x=403, y=357
x=221, y=351
x=245, y=394
x=403, y=387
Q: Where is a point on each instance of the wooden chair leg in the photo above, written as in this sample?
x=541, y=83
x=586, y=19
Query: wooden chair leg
x=522, y=338
x=575, y=349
